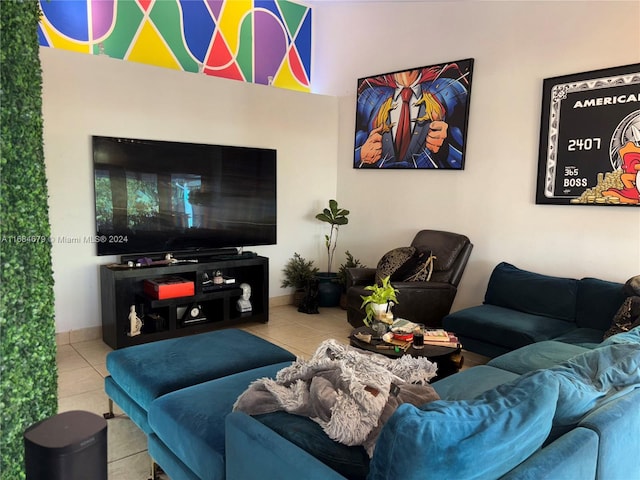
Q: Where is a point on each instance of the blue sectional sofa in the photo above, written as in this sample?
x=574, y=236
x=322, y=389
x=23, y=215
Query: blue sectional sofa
x=545, y=408
x=521, y=308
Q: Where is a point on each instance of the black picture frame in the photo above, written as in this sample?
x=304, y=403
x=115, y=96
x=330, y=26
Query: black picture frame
x=590, y=138
x=437, y=113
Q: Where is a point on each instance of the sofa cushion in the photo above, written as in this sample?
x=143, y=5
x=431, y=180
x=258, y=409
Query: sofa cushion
x=350, y=461
x=536, y=356
x=396, y=263
x=542, y=295
x=472, y=382
x=185, y=361
x=626, y=318
x=190, y=422
x=441, y=440
x=503, y=326
x=632, y=336
x=597, y=303
x=583, y=337
x=572, y=456
x=421, y=269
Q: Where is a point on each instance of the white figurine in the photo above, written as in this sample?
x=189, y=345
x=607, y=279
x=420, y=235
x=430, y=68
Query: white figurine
x=135, y=324
x=244, y=305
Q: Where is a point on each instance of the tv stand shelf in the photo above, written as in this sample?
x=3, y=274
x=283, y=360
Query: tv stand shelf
x=122, y=287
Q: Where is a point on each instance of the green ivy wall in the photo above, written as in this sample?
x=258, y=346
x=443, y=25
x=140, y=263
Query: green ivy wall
x=28, y=376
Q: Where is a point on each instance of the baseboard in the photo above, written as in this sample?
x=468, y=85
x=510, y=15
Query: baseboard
x=280, y=301
x=80, y=335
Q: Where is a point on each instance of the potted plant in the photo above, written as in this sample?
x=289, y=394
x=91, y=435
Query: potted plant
x=329, y=290
x=378, y=303
x=334, y=216
x=297, y=273
x=342, y=276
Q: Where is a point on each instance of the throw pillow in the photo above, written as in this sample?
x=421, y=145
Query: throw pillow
x=422, y=268
x=626, y=318
x=395, y=263
x=442, y=439
x=632, y=336
x=632, y=286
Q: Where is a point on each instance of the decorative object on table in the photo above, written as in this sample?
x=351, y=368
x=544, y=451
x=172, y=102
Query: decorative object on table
x=218, y=279
x=448, y=357
x=350, y=262
x=590, y=138
x=329, y=289
x=193, y=314
x=244, y=304
x=298, y=271
x=418, y=336
x=135, y=324
x=441, y=338
x=378, y=303
x=379, y=328
x=168, y=287
x=414, y=118
x=391, y=339
x=309, y=303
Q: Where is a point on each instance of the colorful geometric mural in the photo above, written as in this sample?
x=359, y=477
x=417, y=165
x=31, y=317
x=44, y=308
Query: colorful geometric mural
x=257, y=41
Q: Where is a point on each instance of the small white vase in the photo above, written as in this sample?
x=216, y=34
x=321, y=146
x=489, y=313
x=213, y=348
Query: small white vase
x=381, y=311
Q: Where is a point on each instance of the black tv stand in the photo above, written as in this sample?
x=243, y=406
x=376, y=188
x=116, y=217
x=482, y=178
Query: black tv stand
x=122, y=287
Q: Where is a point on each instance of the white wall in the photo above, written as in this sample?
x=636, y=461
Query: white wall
x=85, y=95
x=515, y=45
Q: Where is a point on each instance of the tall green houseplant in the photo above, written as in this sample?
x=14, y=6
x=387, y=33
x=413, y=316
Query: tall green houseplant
x=334, y=216
x=28, y=375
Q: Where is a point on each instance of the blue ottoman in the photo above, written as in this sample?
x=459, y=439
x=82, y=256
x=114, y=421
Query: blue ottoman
x=140, y=374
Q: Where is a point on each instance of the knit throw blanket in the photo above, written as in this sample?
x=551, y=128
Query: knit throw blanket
x=350, y=393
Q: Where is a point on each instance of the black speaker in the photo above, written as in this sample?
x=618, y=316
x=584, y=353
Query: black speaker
x=68, y=446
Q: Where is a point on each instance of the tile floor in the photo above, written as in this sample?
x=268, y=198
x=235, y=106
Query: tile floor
x=82, y=368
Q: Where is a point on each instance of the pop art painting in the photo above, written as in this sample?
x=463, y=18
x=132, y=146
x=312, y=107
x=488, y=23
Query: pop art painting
x=414, y=119
x=590, y=138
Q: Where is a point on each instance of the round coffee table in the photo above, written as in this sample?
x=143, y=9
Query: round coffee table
x=448, y=359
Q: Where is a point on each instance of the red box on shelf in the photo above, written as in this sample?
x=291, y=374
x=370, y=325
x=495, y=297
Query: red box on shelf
x=168, y=287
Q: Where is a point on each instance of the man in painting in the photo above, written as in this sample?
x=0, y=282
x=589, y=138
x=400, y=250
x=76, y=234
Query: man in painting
x=412, y=119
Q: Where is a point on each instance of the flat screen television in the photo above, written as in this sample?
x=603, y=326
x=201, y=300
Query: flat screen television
x=156, y=196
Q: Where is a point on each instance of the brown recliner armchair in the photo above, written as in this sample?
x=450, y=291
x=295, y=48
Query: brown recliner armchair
x=418, y=301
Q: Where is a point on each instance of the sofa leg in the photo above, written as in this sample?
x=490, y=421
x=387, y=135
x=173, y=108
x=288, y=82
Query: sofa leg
x=109, y=414
x=155, y=471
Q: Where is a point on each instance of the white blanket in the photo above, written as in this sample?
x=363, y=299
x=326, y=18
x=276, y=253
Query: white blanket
x=350, y=393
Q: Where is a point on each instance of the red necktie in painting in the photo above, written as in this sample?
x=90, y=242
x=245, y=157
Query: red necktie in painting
x=403, y=133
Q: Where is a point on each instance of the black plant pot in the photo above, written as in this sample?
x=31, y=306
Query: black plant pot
x=329, y=290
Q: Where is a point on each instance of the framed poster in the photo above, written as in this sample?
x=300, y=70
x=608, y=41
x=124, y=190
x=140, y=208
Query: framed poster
x=590, y=138
x=414, y=118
